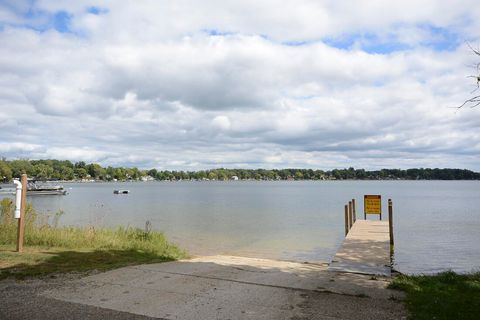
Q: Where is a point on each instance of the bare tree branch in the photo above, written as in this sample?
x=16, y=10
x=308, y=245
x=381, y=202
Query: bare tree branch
x=473, y=101
x=478, y=83
x=477, y=52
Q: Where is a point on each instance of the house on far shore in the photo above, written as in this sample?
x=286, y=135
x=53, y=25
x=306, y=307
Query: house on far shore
x=290, y=178
x=234, y=178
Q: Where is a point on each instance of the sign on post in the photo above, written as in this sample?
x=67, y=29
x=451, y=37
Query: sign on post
x=372, y=204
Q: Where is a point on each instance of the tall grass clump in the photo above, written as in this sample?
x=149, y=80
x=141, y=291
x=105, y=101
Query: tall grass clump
x=42, y=230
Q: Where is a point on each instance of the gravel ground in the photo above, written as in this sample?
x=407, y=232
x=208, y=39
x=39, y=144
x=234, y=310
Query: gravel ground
x=20, y=300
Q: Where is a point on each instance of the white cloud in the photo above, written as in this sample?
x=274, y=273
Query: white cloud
x=79, y=154
x=190, y=85
x=18, y=147
x=221, y=122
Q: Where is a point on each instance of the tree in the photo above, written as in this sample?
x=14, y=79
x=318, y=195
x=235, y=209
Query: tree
x=5, y=171
x=152, y=173
x=298, y=175
x=475, y=100
x=20, y=167
x=96, y=171
x=43, y=171
x=80, y=164
x=212, y=175
x=67, y=173
x=81, y=173
x=135, y=174
x=119, y=174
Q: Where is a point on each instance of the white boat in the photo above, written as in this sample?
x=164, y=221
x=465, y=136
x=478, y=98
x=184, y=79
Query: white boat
x=121, y=191
x=35, y=189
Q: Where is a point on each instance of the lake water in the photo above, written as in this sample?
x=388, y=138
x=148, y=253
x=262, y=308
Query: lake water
x=436, y=223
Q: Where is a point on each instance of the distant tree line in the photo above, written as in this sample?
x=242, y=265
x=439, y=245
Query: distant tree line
x=66, y=170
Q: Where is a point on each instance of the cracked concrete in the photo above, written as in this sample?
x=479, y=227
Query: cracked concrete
x=226, y=287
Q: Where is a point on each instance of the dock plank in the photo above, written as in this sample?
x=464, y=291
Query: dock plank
x=366, y=249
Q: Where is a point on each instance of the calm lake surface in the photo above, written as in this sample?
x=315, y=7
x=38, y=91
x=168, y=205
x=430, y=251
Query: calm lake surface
x=436, y=223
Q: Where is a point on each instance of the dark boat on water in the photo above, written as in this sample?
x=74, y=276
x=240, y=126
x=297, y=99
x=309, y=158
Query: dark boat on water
x=35, y=189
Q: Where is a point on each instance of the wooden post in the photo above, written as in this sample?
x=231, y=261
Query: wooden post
x=364, y=209
x=350, y=218
x=346, y=220
x=354, y=211
x=390, y=220
x=21, y=220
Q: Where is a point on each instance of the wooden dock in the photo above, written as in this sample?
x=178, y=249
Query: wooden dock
x=366, y=249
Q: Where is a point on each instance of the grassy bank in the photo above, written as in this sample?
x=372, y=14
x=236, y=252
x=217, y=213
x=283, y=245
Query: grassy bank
x=446, y=295
x=52, y=249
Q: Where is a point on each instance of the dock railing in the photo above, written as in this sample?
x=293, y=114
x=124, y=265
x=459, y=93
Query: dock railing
x=351, y=217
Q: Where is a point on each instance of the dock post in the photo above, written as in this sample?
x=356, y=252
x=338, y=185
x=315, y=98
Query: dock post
x=350, y=217
x=390, y=220
x=21, y=220
x=354, y=211
x=364, y=209
x=346, y=220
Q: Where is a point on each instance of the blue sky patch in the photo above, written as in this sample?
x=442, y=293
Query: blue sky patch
x=442, y=39
x=40, y=20
x=342, y=42
x=97, y=10
x=385, y=47
x=367, y=42
x=213, y=32
x=61, y=21
x=439, y=39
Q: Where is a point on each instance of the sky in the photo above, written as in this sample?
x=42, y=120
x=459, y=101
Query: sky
x=191, y=85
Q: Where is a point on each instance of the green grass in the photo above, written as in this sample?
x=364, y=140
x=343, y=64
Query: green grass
x=445, y=295
x=53, y=249
x=37, y=261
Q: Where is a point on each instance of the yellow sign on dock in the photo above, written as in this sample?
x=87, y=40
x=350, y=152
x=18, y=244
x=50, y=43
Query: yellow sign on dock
x=372, y=204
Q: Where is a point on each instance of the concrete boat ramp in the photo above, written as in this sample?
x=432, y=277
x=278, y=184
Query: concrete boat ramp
x=352, y=286
x=227, y=287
